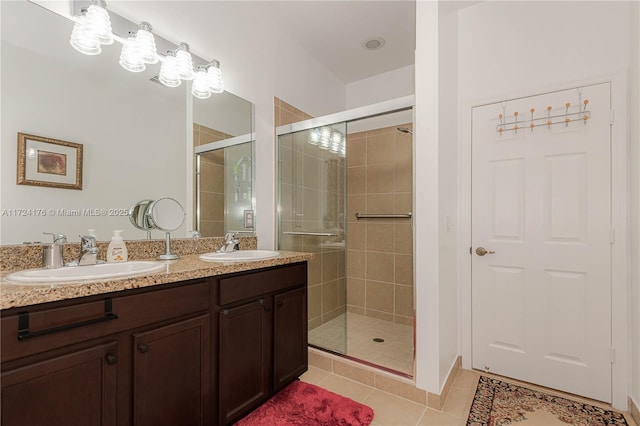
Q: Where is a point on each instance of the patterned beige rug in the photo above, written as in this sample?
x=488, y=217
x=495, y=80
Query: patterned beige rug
x=498, y=403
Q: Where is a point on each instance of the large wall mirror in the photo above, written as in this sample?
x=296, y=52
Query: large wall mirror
x=138, y=137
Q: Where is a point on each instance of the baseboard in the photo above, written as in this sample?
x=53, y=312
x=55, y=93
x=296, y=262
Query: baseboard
x=436, y=401
x=634, y=409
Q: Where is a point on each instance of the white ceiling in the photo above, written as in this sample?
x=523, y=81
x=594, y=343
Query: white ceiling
x=330, y=31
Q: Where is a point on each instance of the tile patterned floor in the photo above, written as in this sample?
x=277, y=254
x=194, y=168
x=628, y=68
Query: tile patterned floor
x=396, y=352
x=391, y=410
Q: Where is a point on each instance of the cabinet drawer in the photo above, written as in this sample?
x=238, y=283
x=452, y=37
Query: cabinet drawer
x=245, y=286
x=53, y=327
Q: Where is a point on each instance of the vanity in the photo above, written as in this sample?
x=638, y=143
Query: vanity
x=201, y=343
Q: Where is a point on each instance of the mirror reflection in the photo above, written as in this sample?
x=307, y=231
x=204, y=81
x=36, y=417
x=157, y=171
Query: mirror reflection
x=135, y=133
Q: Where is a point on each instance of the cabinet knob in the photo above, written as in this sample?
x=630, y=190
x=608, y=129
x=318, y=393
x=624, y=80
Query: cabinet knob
x=144, y=348
x=280, y=304
x=267, y=308
x=111, y=359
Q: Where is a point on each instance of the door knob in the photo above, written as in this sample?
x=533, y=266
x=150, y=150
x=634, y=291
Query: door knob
x=481, y=251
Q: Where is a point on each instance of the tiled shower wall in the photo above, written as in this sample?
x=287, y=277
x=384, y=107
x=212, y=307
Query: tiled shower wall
x=212, y=182
x=380, y=251
x=312, y=200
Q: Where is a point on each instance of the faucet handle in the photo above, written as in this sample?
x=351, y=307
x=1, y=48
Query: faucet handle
x=57, y=238
x=87, y=241
x=229, y=237
x=195, y=234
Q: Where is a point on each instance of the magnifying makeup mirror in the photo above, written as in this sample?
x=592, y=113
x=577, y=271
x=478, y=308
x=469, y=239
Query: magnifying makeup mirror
x=167, y=215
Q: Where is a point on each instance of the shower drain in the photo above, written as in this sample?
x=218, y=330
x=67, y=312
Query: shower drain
x=378, y=339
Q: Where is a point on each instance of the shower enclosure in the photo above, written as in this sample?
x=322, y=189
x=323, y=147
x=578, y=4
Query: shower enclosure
x=345, y=194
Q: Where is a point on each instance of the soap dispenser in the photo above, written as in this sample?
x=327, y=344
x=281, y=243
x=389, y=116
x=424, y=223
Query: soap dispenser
x=117, y=250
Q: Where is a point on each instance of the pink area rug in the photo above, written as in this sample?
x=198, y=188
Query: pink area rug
x=305, y=404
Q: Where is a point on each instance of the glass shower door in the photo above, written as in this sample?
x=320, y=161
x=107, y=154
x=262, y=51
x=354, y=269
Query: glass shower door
x=311, y=218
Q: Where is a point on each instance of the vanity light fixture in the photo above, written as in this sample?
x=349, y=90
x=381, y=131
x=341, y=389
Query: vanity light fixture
x=215, y=77
x=200, y=87
x=130, y=59
x=82, y=40
x=184, y=62
x=93, y=29
x=169, y=71
x=145, y=44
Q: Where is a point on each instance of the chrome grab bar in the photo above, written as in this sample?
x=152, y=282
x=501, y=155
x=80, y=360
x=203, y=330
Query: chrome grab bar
x=314, y=234
x=384, y=216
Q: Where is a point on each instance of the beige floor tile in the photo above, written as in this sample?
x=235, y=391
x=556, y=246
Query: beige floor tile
x=466, y=379
x=314, y=375
x=390, y=410
x=345, y=387
x=433, y=417
x=458, y=402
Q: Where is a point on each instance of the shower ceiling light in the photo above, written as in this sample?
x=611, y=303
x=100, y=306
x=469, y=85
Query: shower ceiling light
x=373, y=43
x=93, y=28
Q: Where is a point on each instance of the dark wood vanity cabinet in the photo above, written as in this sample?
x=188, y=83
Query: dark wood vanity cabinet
x=74, y=388
x=146, y=362
x=199, y=352
x=170, y=370
x=262, y=337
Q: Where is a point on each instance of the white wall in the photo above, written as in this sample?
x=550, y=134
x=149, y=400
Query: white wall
x=634, y=161
x=382, y=87
x=512, y=49
x=426, y=188
x=448, y=188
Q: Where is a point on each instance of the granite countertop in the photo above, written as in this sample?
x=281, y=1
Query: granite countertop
x=188, y=267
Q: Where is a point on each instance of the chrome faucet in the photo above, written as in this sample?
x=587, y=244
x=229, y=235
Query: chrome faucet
x=88, y=251
x=230, y=244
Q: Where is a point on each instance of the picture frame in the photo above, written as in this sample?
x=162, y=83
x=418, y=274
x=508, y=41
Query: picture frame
x=49, y=162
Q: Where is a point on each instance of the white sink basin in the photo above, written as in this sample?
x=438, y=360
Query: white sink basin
x=88, y=272
x=239, y=256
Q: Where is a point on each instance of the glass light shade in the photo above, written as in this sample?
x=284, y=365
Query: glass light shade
x=168, y=71
x=215, y=77
x=325, y=138
x=200, y=88
x=99, y=23
x=84, y=41
x=314, y=137
x=184, y=62
x=146, y=44
x=130, y=60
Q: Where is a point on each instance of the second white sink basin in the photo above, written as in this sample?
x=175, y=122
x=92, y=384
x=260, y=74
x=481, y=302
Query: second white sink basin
x=239, y=256
x=88, y=272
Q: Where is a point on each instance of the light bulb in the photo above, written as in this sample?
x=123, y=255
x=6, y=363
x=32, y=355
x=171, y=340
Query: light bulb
x=130, y=59
x=84, y=41
x=168, y=71
x=215, y=77
x=146, y=44
x=99, y=23
x=200, y=88
x=184, y=62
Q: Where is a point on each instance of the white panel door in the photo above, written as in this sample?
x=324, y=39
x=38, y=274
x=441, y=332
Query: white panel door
x=541, y=303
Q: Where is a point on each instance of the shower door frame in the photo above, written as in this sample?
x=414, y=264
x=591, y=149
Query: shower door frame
x=356, y=114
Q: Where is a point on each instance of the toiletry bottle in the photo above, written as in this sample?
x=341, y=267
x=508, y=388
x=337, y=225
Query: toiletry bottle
x=117, y=250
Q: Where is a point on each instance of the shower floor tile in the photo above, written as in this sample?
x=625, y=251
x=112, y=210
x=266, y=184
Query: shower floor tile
x=396, y=352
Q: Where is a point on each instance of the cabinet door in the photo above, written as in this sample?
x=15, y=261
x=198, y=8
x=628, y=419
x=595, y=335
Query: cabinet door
x=74, y=389
x=245, y=358
x=171, y=374
x=290, y=336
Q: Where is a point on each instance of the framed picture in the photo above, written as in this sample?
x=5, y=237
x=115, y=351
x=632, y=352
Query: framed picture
x=49, y=162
